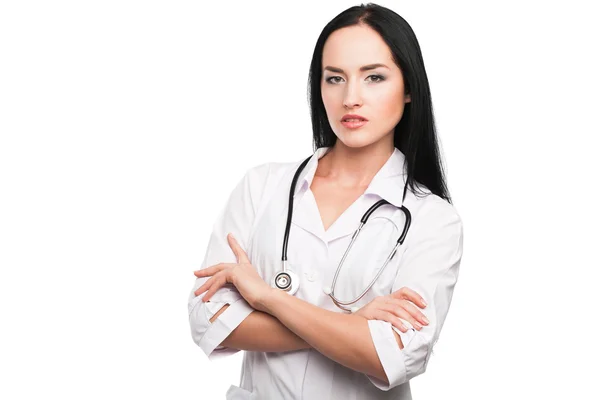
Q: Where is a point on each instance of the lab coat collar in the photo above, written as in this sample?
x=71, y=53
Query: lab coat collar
x=388, y=183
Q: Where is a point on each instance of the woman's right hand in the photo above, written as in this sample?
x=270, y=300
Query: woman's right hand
x=400, y=304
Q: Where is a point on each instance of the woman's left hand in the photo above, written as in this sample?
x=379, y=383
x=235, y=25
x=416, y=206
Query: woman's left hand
x=243, y=275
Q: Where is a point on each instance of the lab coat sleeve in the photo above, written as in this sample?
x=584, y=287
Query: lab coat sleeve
x=429, y=266
x=236, y=217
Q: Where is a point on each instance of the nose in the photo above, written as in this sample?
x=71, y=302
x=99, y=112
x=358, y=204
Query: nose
x=352, y=96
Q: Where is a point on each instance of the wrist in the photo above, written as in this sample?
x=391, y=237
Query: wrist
x=270, y=298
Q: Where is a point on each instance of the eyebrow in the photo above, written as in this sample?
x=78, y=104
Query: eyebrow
x=363, y=68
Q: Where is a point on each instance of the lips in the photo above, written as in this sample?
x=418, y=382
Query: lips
x=353, y=118
x=354, y=123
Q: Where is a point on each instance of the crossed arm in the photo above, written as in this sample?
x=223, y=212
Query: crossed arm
x=345, y=338
x=262, y=332
x=430, y=266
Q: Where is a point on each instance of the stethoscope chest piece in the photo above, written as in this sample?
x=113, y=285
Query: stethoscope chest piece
x=287, y=281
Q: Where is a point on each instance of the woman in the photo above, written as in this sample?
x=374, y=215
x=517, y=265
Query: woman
x=375, y=139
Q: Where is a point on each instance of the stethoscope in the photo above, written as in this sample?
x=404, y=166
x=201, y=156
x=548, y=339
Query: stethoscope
x=287, y=280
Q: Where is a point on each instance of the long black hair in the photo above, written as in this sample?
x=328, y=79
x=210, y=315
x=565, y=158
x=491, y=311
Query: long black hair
x=415, y=133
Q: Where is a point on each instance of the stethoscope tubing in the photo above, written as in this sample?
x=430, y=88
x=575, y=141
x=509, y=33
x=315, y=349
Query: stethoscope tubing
x=288, y=281
x=399, y=242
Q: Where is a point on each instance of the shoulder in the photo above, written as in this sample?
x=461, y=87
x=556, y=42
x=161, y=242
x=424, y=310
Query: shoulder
x=426, y=203
x=433, y=206
x=267, y=173
x=261, y=180
x=433, y=216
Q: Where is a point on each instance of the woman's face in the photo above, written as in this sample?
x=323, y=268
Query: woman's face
x=375, y=93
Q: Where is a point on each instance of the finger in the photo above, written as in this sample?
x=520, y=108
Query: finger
x=409, y=294
x=401, y=312
x=240, y=254
x=213, y=273
x=210, y=271
x=411, y=309
x=217, y=284
x=392, y=319
x=204, y=287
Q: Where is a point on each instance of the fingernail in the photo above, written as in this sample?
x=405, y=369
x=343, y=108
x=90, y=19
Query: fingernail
x=424, y=302
x=418, y=325
x=426, y=320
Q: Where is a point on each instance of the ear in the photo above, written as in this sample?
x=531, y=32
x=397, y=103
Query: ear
x=407, y=98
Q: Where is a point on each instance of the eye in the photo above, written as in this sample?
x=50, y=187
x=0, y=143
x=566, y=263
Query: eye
x=328, y=80
x=378, y=77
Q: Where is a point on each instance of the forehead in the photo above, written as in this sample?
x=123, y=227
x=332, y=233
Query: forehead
x=354, y=46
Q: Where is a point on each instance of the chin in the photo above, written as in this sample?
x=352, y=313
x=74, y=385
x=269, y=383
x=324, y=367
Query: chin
x=357, y=140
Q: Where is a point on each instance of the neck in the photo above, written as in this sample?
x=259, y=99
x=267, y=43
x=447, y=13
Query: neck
x=354, y=166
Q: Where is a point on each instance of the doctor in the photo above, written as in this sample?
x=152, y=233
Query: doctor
x=374, y=136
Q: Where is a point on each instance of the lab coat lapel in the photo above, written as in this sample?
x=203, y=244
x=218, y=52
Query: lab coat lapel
x=306, y=214
x=389, y=188
x=387, y=184
x=348, y=222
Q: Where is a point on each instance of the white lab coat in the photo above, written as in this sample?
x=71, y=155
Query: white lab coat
x=428, y=263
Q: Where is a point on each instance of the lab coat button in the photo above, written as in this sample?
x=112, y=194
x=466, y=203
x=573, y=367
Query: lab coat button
x=310, y=276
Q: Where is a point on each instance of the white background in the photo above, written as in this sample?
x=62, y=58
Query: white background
x=125, y=125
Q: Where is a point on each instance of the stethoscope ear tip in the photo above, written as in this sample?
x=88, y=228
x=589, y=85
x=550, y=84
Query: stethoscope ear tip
x=354, y=309
x=327, y=290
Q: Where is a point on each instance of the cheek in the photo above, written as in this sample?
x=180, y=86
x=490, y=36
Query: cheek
x=330, y=100
x=389, y=104
x=328, y=97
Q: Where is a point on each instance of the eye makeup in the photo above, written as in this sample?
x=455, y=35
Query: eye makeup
x=377, y=77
